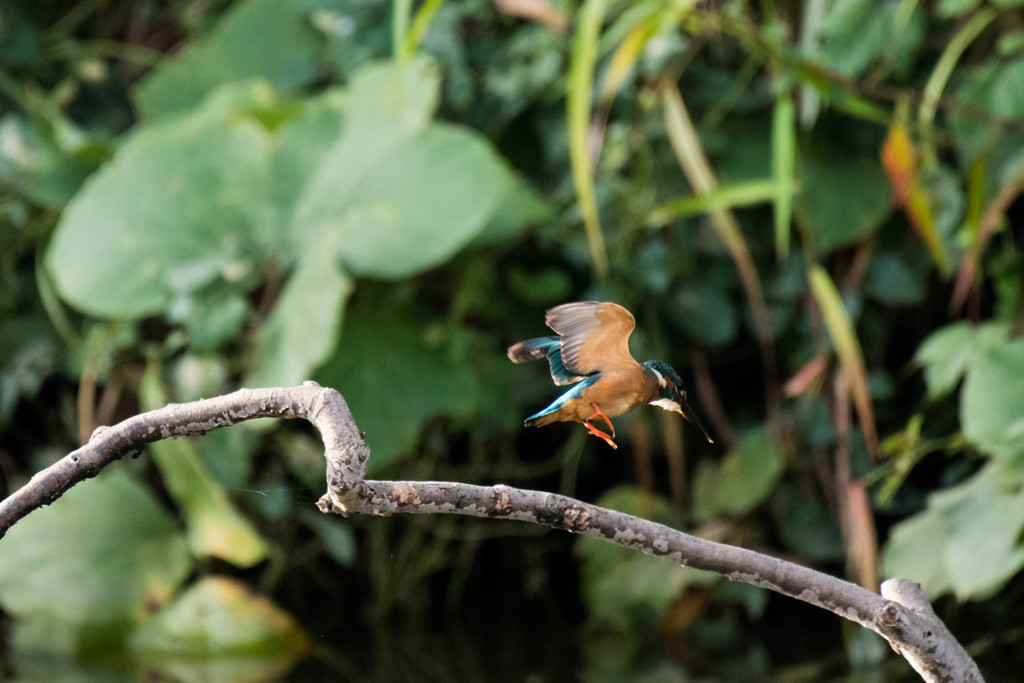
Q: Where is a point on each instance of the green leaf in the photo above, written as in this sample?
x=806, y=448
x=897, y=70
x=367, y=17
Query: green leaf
x=915, y=551
x=185, y=196
x=213, y=315
x=844, y=199
x=219, y=616
x=386, y=105
x=740, y=482
x=421, y=204
x=396, y=372
x=184, y=219
x=853, y=34
x=396, y=98
x=302, y=330
x=991, y=87
x=982, y=518
x=520, y=207
x=974, y=137
x=951, y=351
x=215, y=527
x=856, y=33
x=31, y=353
x=987, y=524
x=302, y=140
x=38, y=159
x=394, y=194
x=91, y=563
x=992, y=402
x=945, y=357
x=287, y=54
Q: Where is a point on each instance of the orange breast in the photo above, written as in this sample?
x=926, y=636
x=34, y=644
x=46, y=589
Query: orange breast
x=618, y=392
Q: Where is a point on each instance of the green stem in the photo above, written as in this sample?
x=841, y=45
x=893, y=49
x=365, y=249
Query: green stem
x=578, y=106
x=402, y=10
x=940, y=76
x=420, y=23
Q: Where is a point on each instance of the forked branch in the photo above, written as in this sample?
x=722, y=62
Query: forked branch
x=901, y=614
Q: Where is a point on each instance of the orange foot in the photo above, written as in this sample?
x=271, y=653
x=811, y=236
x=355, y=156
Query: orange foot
x=609, y=439
x=597, y=432
x=604, y=418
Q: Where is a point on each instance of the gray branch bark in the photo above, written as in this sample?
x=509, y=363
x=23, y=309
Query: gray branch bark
x=902, y=614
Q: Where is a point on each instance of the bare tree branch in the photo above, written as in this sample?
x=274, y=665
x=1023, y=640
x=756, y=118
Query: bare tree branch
x=324, y=408
x=901, y=614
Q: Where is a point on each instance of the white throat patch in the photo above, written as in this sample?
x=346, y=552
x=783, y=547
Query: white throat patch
x=668, y=404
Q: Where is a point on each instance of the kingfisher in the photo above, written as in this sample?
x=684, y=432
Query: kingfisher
x=591, y=352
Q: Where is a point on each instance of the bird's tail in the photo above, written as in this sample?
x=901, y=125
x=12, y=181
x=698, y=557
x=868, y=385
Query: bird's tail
x=540, y=420
x=535, y=349
x=532, y=349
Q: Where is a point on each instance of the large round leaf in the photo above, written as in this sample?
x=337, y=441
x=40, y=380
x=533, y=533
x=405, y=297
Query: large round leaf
x=421, y=204
x=185, y=196
x=91, y=563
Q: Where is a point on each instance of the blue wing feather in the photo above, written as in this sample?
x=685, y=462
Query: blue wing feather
x=533, y=349
x=575, y=392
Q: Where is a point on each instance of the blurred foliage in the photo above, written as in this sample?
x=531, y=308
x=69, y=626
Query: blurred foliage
x=49, y=573
x=812, y=208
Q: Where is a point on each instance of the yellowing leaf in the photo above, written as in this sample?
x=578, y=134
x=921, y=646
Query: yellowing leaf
x=840, y=329
x=625, y=57
x=900, y=161
x=215, y=527
x=741, y=481
x=220, y=616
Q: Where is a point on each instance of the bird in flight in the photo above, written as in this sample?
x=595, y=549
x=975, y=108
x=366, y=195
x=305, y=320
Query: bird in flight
x=591, y=352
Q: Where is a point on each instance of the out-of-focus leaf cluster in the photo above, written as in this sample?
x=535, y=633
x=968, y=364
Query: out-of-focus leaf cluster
x=812, y=210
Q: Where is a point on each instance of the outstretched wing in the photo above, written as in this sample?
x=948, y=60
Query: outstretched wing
x=594, y=335
x=535, y=349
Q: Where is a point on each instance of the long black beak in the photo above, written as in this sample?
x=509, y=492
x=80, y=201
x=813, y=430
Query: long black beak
x=686, y=411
